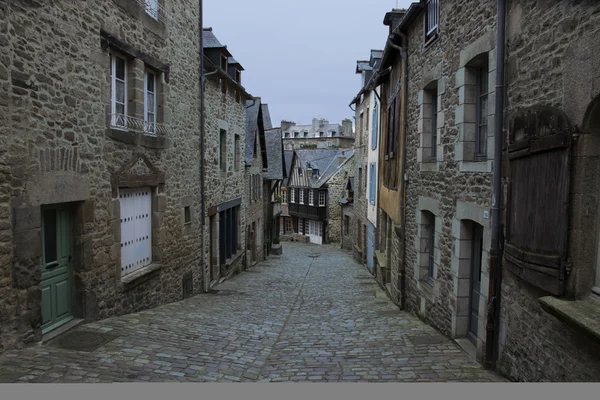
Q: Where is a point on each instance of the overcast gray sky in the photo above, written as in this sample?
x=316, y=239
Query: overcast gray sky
x=300, y=56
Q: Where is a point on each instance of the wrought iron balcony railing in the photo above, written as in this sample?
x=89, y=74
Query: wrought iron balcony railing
x=155, y=10
x=125, y=122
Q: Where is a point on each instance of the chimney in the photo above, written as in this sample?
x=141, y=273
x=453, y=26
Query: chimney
x=393, y=18
x=347, y=127
x=341, y=158
x=286, y=125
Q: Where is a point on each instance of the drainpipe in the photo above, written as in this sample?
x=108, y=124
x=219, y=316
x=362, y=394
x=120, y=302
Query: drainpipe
x=495, y=285
x=203, y=205
x=402, y=276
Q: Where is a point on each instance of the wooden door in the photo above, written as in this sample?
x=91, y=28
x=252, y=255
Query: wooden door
x=538, y=198
x=475, y=293
x=57, y=273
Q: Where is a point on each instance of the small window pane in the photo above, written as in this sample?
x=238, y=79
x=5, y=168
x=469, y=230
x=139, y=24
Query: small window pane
x=150, y=82
x=120, y=68
x=120, y=86
x=50, y=236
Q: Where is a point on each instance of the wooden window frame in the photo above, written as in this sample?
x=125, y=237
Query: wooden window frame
x=113, y=100
x=482, y=76
x=150, y=127
x=323, y=196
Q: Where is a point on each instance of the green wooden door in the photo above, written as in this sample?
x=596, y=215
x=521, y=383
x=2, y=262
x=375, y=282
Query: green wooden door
x=57, y=276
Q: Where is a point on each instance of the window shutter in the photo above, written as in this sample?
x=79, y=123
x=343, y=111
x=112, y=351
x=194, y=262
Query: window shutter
x=538, y=198
x=372, y=184
x=136, y=228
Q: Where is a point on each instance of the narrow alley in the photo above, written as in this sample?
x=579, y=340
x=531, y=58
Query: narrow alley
x=312, y=314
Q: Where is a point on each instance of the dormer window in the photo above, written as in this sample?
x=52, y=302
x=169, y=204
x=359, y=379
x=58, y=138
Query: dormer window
x=296, y=134
x=321, y=134
x=238, y=76
x=305, y=134
x=224, y=63
x=299, y=171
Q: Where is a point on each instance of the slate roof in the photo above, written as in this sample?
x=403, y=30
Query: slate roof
x=275, y=165
x=325, y=160
x=362, y=65
x=252, y=113
x=209, y=39
x=288, y=155
x=266, y=117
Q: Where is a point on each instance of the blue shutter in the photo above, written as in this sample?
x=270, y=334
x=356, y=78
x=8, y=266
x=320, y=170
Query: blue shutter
x=372, y=184
x=374, y=130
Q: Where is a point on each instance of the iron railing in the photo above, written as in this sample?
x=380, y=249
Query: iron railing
x=125, y=122
x=155, y=10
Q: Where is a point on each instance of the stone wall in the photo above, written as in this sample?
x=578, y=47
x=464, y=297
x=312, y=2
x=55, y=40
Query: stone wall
x=224, y=112
x=562, y=73
x=56, y=147
x=359, y=221
x=438, y=185
x=255, y=206
x=336, y=191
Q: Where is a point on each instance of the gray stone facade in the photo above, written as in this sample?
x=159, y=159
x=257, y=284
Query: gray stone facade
x=359, y=221
x=336, y=192
x=320, y=134
x=57, y=147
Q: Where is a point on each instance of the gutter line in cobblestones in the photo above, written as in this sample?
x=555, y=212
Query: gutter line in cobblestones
x=292, y=308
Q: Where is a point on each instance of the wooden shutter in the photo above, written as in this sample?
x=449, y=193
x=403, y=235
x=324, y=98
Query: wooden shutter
x=136, y=228
x=538, y=198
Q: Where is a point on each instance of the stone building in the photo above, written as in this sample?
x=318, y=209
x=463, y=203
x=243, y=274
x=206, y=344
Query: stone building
x=366, y=155
x=286, y=222
x=256, y=162
x=99, y=160
x=320, y=134
x=273, y=178
x=225, y=160
x=317, y=184
x=532, y=314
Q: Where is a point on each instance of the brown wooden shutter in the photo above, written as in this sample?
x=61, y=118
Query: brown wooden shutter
x=538, y=197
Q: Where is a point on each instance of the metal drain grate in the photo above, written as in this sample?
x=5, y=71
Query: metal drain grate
x=83, y=340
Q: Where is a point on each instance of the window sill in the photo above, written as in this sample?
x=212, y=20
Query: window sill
x=475, y=166
x=429, y=43
x=137, y=138
x=135, y=276
x=430, y=166
x=584, y=316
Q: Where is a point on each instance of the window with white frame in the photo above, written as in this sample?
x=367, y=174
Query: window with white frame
x=151, y=7
x=136, y=228
x=481, y=126
x=150, y=102
x=311, y=198
x=301, y=196
x=292, y=195
x=284, y=196
x=432, y=16
x=321, y=199
x=119, y=91
x=301, y=226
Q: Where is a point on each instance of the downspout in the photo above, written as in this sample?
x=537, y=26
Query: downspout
x=402, y=272
x=495, y=284
x=203, y=205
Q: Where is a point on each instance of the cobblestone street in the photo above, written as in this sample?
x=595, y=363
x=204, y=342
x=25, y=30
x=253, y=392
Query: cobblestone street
x=312, y=314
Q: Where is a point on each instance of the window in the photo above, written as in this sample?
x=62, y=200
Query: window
x=301, y=226
x=150, y=102
x=236, y=153
x=372, y=184
x=288, y=225
x=321, y=199
x=224, y=63
x=359, y=179
x=390, y=172
x=299, y=171
x=293, y=196
x=346, y=225
x=321, y=134
x=136, y=228
x=228, y=233
x=187, y=215
x=119, y=92
x=428, y=123
x=296, y=134
x=311, y=197
x=151, y=7
x=360, y=128
x=223, y=150
x=284, y=196
x=427, y=259
x=434, y=135
x=305, y=134
x=432, y=14
x=367, y=121
x=482, y=113
x=238, y=76
x=301, y=196
x=374, y=130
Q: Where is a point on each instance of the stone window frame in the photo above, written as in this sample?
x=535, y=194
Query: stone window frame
x=482, y=50
x=125, y=178
x=460, y=269
x=187, y=202
x=428, y=285
x=432, y=79
x=137, y=63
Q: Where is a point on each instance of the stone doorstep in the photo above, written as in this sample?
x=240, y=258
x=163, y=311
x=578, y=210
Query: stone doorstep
x=61, y=330
x=468, y=347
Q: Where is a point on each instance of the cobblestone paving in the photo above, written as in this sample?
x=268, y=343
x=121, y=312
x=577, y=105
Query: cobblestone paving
x=291, y=318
